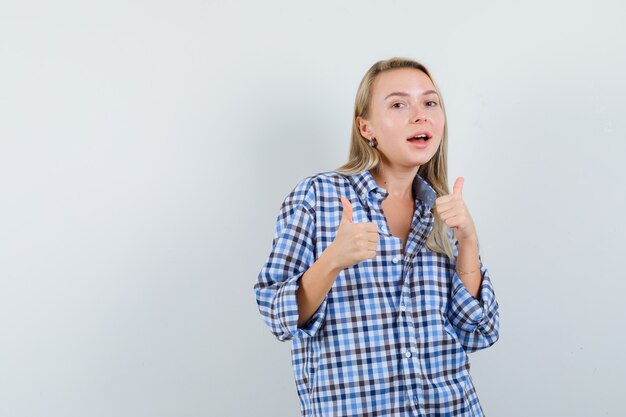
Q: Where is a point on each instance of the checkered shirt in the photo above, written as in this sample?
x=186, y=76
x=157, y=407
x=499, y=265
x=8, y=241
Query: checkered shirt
x=391, y=338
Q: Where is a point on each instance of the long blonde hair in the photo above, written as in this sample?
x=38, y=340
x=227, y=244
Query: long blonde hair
x=364, y=157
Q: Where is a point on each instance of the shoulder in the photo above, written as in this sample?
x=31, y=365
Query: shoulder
x=314, y=188
x=328, y=177
x=312, y=185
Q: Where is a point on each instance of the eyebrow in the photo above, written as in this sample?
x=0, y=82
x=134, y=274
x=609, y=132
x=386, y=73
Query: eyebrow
x=402, y=93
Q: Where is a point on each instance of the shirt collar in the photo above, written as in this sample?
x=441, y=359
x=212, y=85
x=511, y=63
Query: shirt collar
x=364, y=184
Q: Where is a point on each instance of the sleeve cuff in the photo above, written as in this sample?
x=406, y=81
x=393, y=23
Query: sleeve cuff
x=466, y=311
x=287, y=307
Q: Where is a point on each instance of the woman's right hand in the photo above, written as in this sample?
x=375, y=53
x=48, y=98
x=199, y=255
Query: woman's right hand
x=354, y=242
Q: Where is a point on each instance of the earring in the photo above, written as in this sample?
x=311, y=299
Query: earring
x=373, y=142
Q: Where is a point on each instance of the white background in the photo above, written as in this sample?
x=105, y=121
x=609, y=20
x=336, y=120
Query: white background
x=146, y=146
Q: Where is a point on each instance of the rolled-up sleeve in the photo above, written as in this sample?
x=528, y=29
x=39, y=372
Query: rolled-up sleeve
x=293, y=252
x=476, y=321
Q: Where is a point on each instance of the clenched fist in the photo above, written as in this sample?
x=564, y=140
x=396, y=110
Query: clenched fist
x=354, y=242
x=452, y=210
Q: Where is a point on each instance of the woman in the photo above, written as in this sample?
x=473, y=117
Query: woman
x=375, y=274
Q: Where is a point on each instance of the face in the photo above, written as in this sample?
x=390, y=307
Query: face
x=404, y=103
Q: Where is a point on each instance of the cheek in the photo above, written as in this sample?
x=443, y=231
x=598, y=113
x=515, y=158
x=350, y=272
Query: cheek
x=438, y=117
x=391, y=123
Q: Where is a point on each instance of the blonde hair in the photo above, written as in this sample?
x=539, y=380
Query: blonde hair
x=364, y=157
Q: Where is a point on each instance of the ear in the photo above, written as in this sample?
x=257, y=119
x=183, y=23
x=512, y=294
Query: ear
x=363, y=127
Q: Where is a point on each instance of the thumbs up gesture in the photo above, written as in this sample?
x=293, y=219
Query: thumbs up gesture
x=354, y=242
x=452, y=210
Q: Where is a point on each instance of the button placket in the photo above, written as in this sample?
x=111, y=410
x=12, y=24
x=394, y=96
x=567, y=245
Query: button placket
x=377, y=213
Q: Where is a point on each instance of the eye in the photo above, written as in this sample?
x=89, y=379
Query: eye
x=434, y=103
x=394, y=104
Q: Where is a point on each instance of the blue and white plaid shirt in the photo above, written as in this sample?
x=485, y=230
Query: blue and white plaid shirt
x=391, y=337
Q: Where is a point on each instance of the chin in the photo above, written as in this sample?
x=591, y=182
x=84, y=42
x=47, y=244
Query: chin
x=422, y=161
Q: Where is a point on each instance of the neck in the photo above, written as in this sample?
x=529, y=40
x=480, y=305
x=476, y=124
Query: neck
x=397, y=182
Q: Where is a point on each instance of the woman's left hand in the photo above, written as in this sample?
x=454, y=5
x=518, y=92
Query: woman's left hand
x=452, y=210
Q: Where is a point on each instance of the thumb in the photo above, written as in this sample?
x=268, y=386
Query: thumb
x=458, y=186
x=346, y=216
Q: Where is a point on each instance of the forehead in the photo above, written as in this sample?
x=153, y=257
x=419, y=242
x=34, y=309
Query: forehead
x=409, y=80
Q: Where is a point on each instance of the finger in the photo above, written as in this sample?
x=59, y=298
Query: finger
x=450, y=214
x=456, y=221
x=372, y=245
x=442, y=208
x=372, y=237
x=371, y=227
x=443, y=199
x=458, y=186
x=346, y=215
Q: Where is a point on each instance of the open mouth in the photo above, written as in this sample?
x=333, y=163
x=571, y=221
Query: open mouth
x=420, y=138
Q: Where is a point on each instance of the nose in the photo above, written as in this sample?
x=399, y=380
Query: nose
x=418, y=115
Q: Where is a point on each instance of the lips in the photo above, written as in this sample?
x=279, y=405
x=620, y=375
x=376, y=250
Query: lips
x=420, y=133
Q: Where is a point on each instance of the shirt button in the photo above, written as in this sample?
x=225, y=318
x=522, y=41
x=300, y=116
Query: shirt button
x=407, y=354
x=403, y=307
x=415, y=399
x=394, y=260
